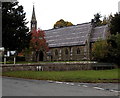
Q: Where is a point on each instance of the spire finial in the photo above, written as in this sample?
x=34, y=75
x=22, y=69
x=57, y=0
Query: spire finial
x=33, y=3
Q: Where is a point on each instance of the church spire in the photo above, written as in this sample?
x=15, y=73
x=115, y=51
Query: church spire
x=33, y=20
x=33, y=14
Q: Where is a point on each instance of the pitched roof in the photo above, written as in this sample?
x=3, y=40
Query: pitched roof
x=73, y=35
x=99, y=33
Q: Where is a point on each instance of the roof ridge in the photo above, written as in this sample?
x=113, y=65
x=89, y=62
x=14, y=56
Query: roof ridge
x=68, y=26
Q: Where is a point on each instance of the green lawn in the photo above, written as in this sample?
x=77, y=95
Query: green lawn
x=69, y=76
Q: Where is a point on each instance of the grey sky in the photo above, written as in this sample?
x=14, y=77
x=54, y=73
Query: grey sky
x=75, y=11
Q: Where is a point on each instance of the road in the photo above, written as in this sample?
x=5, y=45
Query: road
x=28, y=87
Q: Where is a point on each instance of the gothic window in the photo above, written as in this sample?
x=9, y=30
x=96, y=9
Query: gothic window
x=56, y=52
x=66, y=51
x=78, y=51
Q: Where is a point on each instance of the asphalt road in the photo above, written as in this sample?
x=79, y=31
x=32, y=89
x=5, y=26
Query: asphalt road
x=28, y=87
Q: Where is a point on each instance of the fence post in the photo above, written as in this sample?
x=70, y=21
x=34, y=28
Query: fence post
x=4, y=60
x=14, y=59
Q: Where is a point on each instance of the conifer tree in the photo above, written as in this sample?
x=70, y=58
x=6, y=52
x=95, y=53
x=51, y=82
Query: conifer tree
x=15, y=34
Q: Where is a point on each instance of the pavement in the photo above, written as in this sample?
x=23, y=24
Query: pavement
x=28, y=87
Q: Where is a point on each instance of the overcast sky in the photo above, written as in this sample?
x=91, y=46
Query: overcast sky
x=76, y=11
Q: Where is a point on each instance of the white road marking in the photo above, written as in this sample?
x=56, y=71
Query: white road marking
x=98, y=88
x=59, y=82
x=50, y=81
x=67, y=83
x=85, y=85
x=114, y=91
x=71, y=83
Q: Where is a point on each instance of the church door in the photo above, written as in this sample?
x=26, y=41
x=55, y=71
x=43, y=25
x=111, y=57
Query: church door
x=41, y=56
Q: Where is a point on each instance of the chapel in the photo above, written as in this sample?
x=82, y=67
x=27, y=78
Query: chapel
x=73, y=43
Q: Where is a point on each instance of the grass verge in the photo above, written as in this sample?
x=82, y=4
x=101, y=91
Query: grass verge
x=96, y=76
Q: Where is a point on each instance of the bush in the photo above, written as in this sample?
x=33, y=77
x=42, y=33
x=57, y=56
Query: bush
x=114, y=49
x=100, y=50
x=107, y=50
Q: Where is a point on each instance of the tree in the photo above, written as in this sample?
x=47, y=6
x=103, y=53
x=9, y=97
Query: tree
x=105, y=21
x=100, y=50
x=38, y=42
x=114, y=48
x=107, y=50
x=14, y=30
x=114, y=39
x=97, y=20
x=115, y=24
x=61, y=23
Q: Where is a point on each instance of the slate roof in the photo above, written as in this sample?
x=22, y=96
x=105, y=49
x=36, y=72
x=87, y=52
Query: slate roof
x=73, y=35
x=99, y=33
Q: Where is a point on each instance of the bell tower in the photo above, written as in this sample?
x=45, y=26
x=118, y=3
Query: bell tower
x=33, y=20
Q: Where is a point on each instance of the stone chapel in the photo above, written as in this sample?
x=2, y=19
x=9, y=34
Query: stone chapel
x=73, y=43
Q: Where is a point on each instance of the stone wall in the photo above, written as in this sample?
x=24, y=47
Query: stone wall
x=65, y=66
x=46, y=67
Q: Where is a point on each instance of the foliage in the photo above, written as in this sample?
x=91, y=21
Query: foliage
x=111, y=50
x=107, y=50
x=115, y=24
x=114, y=39
x=100, y=50
x=114, y=48
x=107, y=20
x=38, y=41
x=61, y=23
x=71, y=76
x=97, y=20
x=14, y=31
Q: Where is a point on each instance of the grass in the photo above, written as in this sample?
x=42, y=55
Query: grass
x=68, y=76
x=8, y=62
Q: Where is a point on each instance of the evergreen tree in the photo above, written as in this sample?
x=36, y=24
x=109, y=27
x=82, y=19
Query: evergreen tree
x=15, y=34
x=115, y=24
x=97, y=20
x=114, y=49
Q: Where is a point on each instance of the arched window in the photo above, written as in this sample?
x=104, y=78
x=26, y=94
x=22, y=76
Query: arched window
x=56, y=52
x=78, y=51
x=66, y=51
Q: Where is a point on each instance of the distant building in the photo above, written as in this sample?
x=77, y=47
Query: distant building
x=71, y=43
